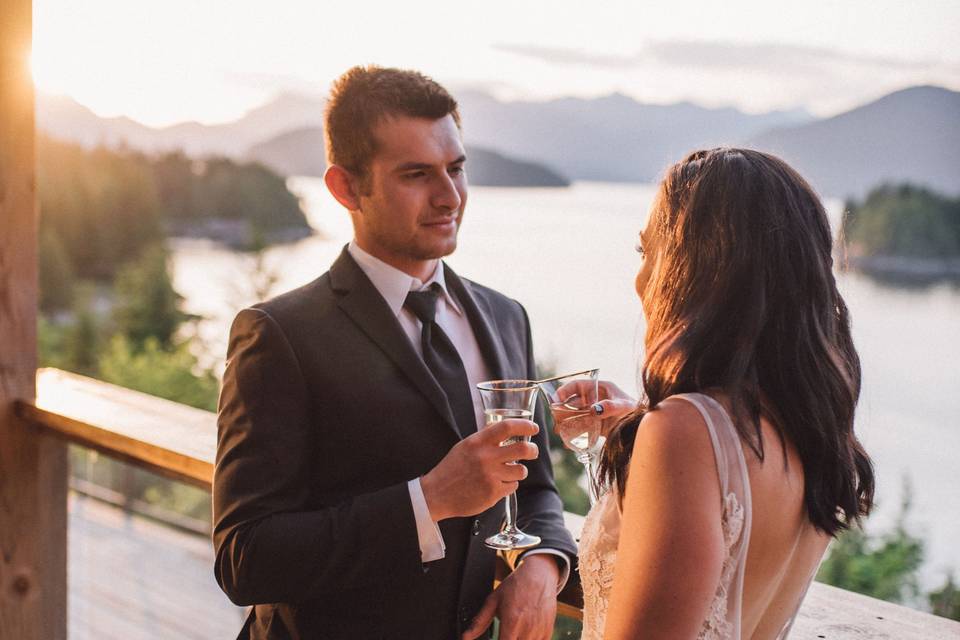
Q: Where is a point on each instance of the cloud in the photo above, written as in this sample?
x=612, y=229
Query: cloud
x=578, y=57
x=276, y=82
x=760, y=57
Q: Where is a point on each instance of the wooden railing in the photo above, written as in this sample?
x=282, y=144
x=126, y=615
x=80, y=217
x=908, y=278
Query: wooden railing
x=179, y=442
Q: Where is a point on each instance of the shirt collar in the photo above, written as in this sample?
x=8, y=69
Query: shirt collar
x=393, y=284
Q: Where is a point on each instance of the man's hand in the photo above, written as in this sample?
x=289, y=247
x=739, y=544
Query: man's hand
x=525, y=602
x=478, y=472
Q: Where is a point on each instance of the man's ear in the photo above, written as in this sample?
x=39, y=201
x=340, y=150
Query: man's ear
x=344, y=186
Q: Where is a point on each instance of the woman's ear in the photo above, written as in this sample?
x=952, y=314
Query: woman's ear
x=343, y=186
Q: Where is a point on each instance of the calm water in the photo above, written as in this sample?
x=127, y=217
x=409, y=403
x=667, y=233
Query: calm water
x=568, y=255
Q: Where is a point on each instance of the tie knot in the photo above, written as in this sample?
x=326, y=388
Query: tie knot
x=423, y=304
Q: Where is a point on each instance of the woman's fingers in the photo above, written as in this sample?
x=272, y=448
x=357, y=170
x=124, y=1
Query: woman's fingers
x=614, y=408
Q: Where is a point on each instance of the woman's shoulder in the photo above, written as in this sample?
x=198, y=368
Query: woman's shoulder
x=674, y=438
x=675, y=422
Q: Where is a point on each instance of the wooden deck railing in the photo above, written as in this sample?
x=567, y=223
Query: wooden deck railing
x=179, y=442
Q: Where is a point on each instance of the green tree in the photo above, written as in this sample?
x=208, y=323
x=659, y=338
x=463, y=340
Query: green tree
x=106, y=206
x=178, y=180
x=261, y=278
x=945, y=601
x=173, y=374
x=57, y=278
x=904, y=220
x=102, y=204
x=248, y=192
x=883, y=566
x=145, y=302
x=82, y=336
x=50, y=339
x=567, y=473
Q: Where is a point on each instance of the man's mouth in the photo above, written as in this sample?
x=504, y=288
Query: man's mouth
x=442, y=222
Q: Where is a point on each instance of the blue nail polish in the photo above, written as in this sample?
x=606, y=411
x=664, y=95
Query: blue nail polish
x=598, y=409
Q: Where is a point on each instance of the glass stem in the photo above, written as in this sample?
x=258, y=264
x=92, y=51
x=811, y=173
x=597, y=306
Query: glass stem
x=590, y=465
x=511, y=508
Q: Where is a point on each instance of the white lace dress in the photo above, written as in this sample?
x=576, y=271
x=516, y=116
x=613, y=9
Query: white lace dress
x=601, y=532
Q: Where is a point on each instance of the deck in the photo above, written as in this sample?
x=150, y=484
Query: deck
x=130, y=578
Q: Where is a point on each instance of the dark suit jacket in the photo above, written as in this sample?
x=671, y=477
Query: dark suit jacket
x=326, y=412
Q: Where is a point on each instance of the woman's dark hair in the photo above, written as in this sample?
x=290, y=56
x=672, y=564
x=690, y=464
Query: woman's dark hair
x=742, y=301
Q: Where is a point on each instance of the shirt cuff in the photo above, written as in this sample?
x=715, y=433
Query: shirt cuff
x=564, y=565
x=428, y=533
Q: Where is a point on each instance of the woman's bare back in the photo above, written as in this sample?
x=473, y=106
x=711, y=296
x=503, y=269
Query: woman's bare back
x=785, y=549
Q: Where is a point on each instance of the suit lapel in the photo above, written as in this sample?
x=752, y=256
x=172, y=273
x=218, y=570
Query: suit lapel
x=481, y=317
x=364, y=305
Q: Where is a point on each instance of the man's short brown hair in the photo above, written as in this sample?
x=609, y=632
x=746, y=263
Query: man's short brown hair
x=363, y=96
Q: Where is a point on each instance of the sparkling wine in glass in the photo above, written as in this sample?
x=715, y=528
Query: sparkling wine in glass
x=504, y=399
x=571, y=398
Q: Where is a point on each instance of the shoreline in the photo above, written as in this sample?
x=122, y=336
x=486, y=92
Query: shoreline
x=238, y=235
x=907, y=268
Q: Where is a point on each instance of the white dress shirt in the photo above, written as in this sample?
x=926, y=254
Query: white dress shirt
x=394, y=285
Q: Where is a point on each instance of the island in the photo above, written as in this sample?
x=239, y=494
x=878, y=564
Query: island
x=903, y=230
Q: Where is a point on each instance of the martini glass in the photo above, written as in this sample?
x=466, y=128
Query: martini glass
x=503, y=399
x=571, y=398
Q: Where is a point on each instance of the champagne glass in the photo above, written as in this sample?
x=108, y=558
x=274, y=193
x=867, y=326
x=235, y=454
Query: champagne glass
x=503, y=399
x=571, y=398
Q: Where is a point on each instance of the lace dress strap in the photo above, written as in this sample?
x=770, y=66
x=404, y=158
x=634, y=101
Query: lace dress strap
x=736, y=513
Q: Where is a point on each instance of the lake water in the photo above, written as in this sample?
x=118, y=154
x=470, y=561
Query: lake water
x=568, y=255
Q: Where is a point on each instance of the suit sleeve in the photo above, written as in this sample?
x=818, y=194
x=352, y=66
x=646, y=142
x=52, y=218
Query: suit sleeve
x=540, y=509
x=271, y=545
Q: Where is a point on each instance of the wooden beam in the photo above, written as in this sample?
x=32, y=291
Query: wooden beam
x=836, y=614
x=166, y=437
x=33, y=469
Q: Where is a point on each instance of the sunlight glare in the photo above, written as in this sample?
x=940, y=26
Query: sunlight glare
x=43, y=72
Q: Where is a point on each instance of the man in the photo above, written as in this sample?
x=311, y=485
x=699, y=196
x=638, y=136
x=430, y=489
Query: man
x=353, y=490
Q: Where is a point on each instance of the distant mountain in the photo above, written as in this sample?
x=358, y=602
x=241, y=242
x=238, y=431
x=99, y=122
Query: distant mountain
x=911, y=135
x=611, y=138
x=489, y=168
x=65, y=119
x=301, y=152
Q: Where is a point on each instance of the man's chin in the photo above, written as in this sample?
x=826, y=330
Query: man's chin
x=444, y=251
x=437, y=248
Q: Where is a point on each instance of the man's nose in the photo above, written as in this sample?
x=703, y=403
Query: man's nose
x=446, y=196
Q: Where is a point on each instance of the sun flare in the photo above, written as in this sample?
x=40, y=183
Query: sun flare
x=43, y=70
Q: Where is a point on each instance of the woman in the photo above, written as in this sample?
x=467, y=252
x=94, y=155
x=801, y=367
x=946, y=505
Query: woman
x=729, y=478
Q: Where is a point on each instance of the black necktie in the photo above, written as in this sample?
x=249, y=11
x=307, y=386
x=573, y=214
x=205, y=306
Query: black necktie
x=442, y=359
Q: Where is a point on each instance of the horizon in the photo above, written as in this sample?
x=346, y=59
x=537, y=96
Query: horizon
x=225, y=60
x=283, y=93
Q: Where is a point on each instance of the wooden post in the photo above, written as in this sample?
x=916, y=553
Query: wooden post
x=33, y=467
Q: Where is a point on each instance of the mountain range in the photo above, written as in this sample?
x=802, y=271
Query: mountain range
x=909, y=135
x=63, y=118
x=301, y=152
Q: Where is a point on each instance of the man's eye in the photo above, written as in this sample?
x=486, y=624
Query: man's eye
x=457, y=170
x=413, y=175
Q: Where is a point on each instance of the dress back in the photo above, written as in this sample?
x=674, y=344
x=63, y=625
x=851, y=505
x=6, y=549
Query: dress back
x=601, y=532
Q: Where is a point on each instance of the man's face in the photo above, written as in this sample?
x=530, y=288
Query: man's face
x=416, y=190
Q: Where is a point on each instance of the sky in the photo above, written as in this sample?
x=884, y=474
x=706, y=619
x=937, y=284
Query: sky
x=211, y=61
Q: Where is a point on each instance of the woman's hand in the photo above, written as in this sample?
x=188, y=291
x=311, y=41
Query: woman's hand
x=614, y=403
x=581, y=425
